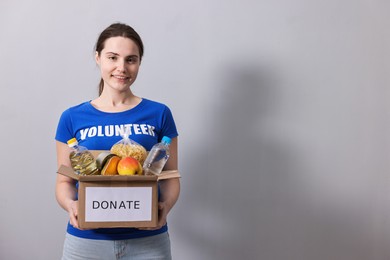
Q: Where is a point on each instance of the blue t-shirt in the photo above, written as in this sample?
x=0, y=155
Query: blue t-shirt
x=148, y=122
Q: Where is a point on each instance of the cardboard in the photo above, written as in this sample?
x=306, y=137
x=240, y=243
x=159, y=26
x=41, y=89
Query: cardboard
x=117, y=201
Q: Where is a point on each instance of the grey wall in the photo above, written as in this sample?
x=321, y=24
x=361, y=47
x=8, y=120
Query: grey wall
x=282, y=108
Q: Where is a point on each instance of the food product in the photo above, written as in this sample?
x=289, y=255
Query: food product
x=110, y=165
x=101, y=159
x=127, y=147
x=129, y=166
x=81, y=159
x=134, y=150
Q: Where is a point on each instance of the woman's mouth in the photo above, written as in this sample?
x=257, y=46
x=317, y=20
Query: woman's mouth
x=120, y=77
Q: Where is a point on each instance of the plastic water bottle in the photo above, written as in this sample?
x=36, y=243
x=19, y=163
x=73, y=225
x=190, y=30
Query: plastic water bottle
x=81, y=159
x=157, y=157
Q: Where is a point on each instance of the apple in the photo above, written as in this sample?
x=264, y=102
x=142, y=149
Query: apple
x=129, y=166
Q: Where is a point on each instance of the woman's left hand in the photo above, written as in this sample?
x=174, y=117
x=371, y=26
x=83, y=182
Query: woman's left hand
x=170, y=189
x=162, y=217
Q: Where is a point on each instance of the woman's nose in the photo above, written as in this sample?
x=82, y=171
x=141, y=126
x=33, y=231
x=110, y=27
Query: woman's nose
x=120, y=66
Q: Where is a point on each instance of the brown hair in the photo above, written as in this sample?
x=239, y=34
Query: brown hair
x=115, y=30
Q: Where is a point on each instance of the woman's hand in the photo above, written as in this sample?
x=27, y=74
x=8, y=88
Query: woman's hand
x=162, y=217
x=66, y=187
x=169, y=194
x=73, y=213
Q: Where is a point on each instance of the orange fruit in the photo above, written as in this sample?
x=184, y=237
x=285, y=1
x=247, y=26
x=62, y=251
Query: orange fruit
x=110, y=167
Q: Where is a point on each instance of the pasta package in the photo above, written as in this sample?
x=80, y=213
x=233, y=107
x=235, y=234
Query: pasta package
x=127, y=147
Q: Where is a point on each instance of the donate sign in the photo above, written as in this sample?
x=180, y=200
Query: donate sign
x=118, y=204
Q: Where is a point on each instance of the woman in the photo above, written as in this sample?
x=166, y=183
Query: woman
x=119, y=50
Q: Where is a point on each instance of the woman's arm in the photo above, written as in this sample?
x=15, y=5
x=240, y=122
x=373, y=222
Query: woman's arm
x=65, y=187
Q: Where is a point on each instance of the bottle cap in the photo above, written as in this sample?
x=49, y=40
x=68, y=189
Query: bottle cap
x=72, y=142
x=166, y=140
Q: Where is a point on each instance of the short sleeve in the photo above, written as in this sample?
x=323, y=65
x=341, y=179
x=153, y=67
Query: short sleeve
x=64, y=129
x=168, y=125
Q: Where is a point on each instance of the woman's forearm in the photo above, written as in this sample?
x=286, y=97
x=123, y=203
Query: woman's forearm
x=65, y=192
x=170, y=190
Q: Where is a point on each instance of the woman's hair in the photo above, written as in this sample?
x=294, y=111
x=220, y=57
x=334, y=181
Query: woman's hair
x=115, y=30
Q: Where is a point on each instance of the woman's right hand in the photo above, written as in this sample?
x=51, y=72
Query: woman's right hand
x=73, y=213
x=66, y=191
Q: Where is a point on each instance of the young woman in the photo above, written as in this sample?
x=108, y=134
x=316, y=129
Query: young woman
x=119, y=51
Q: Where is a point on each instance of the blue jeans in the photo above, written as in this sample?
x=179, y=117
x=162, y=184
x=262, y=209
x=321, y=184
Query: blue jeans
x=152, y=247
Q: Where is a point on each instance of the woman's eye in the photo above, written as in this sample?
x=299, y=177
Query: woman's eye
x=132, y=59
x=112, y=58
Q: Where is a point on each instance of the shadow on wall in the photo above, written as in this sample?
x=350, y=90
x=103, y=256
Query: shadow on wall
x=236, y=196
x=250, y=200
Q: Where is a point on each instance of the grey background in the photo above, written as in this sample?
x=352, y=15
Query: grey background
x=282, y=108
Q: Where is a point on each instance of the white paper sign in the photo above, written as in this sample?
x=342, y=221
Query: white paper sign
x=112, y=204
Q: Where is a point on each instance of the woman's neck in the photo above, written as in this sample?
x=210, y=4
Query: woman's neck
x=116, y=102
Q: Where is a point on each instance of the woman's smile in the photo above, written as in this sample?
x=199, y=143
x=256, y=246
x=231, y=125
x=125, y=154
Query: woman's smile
x=121, y=78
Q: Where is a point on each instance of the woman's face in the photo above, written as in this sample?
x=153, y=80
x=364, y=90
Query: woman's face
x=119, y=63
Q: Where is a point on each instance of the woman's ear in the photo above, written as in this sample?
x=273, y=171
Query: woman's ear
x=97, y=58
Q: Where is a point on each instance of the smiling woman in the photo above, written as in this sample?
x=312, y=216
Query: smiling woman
x=119, y=63
x=114, y=31
x=94, y=124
